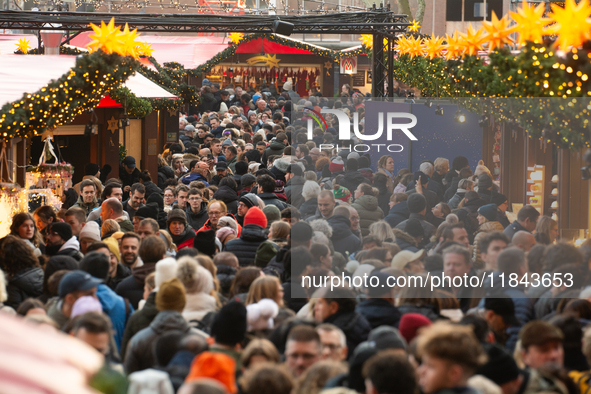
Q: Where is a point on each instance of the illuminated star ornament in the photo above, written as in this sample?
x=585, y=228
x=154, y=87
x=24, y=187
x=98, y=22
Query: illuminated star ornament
x=498, y=32
x=415, y=26
x=572, y=24
x=106, y=37
x=145, y=49
x=367, y=40
x=530, y=22
x=434, y=47
x=236, y=37
x=129, y=43
x=454, y=47
x=402, y=45
x=416, y=47
x=472, y=41
x=23, y=45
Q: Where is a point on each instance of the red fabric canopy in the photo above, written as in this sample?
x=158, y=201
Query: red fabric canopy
x=264, y=45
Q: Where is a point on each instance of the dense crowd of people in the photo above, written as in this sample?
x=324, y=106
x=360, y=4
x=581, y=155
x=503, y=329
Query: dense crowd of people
x=211, y=275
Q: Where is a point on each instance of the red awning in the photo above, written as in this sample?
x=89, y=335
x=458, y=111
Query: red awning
x=264, y=45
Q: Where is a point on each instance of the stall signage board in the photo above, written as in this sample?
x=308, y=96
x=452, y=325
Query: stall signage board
x=349, y=65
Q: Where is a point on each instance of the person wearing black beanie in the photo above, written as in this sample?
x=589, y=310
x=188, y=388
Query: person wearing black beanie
x=204, y=242
x=228, y=330
x=417, y=206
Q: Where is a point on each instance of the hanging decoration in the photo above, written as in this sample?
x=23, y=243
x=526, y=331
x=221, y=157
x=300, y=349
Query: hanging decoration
x=479, y=64
x=269, y=60
x=23, y=45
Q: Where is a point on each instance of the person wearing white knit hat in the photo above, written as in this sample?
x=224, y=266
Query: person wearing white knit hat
x=89, y=234
x=165, y=270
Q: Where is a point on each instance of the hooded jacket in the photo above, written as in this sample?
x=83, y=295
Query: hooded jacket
x=194, y=176
x=71, y=248
x=275, y=148
x=343, y=239
x=293, y=191
x=229, y=197
x=140, y=356
x=132, y=287
x=308, y=208
x=245, y=247
x=398, y=213
x=114, y=307
x=27, y=283
x=354, y=325
x=514, y=227
x=405, y=241
x=164, y=173
x=369, y=212
x=207, y=102
x=352, y=180
x=428, y=228
x=138, y=321
x=197, y=220
x=456, y=199
x=379, y=312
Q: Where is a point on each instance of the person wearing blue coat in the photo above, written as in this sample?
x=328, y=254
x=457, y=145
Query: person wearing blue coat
x=398, y=209
x=343, y=239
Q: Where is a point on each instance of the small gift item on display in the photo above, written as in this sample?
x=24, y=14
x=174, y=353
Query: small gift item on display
x=555, y=179
x=554, y=205
x=555, y=192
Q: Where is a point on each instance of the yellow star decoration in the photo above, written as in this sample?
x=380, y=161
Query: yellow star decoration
x=367, y=40
x=107, y=37
x=113, y=124
x=236, y=37
x=145, y=49
x=530, y=22
x=416, y=47
x=472, y=41
x=129, y=43
x=23, y=45
x=573, y=25
x=498, y=32
x=415, y=26
x=402, y=45
x=454, y=47
x=434, y=47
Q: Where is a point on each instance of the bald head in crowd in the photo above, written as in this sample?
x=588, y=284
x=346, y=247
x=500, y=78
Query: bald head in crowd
x=343, y=211
x=523, y=240
x=111, y=209
x=326, y=203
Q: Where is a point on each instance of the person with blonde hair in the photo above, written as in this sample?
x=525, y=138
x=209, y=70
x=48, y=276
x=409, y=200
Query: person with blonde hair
x=316, y=377
x=109, y=228
x=278, y=232
x=547, y=228
x=382, y=231
x=265, y=287
x=386, y=167
x=199, y=285
x=259, y=351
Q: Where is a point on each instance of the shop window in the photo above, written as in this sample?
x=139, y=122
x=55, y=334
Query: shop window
x=473, y=10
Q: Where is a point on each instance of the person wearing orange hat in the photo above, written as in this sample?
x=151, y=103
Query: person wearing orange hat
x=217, y=366
x=252, y=235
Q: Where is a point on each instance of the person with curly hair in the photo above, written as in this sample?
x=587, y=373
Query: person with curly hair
x=24, y=275
x=23, y=227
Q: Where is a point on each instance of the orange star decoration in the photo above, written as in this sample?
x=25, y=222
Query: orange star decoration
x=129, y=43
x=416, y=47
x=402, y=45
x=573, y=25
x=454, y=47
x=434, y=47
x=107, y=37
x=23, y=45
x=236, y=37
x=530, y=22
x=367, y=40
x=415, y=26
x=472, y=41
x=498, y=32
x=144, y=49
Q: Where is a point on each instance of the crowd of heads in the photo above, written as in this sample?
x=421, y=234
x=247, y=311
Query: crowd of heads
x=216, y=274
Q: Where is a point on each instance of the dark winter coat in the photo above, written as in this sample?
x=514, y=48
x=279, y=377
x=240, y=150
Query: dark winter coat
x=343, y=239
x=138, y=321
x=27, y=283
x=194, y=176
x=139, y=355
x=405, y=241
x=184, y=237
x=453, y=187
x=456, y=200
x=425, y=310
x=293, y=191
x=383, y=196
x=428, y=228
x=379, y=312
x=354, y=325
x=132, y=287
x=75, y=253
x=197, y=220
x=275, y=148
x=369, y=212
x=276, y=267
x=524, y=305
x=207, y=103
x=271, y=198
x=123, y=272
x=398, y=213
x=245, y=247
x=309, y=208
x=513, y=228
x=229, y=197
x=352, y=180
x=128, y=179
x=151, y=188
x=164, y=173
x=294, y=295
